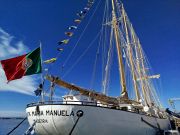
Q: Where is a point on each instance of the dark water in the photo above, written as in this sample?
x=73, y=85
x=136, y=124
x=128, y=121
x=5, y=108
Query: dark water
x=6, y=125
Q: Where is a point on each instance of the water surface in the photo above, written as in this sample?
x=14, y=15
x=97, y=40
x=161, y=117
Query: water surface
x=6, y=125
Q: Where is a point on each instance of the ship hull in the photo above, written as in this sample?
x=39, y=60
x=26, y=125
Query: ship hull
x=59, y=119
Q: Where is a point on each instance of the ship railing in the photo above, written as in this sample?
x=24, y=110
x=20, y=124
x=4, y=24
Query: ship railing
x=87, y=103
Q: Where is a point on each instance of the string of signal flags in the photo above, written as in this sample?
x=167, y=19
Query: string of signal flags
x=71, y=29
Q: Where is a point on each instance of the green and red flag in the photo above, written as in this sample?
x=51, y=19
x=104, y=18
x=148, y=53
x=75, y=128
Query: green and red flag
x=27, y=64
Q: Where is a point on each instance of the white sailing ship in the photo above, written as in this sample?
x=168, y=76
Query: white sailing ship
x=87, y=112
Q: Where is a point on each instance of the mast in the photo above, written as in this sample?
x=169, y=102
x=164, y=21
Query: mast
x=144, y=73
x=130, y=56
x=124, y=93
x=138, y=63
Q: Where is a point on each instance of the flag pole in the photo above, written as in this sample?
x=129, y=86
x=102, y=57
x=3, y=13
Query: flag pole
x=42, y=78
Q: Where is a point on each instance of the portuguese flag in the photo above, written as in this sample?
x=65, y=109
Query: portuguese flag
x=27, y=64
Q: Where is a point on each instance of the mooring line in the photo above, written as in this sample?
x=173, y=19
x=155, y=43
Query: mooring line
x=151, y=125
x=79, y=115
x=16, y=126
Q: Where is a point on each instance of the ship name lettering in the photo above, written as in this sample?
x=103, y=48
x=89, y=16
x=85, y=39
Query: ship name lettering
x=59, y=113
x=28, y=113
x=35, y=113
x=41, y=121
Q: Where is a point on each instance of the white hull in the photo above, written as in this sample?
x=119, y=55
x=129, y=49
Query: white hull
x=95, y=121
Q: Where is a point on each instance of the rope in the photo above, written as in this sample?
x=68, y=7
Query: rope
x=16, y=126
x=81, y=56
x=97, y=53
x=28, y=132
x=105, y=41
x=57, y=56
x=151, y=125
x=79, y=115
x=69, y=56
x=108, y=65
x=94, y=67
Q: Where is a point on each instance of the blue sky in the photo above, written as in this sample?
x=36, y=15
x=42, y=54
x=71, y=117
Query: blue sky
x=24, y=23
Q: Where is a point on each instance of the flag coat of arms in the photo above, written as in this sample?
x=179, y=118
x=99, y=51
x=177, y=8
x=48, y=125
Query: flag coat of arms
x=27, y=64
